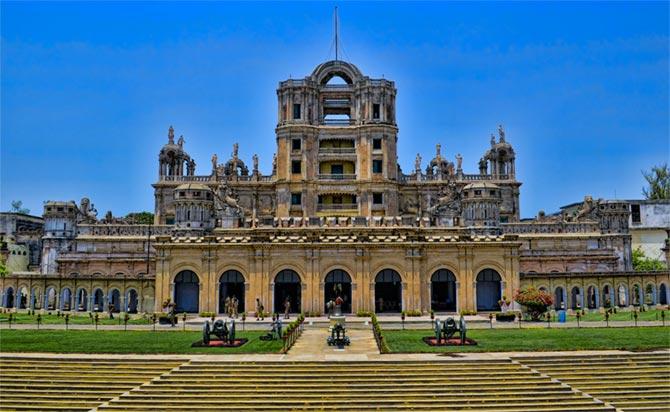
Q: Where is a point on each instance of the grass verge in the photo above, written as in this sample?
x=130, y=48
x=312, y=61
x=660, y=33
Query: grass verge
x=530, y=340
x=91, y=341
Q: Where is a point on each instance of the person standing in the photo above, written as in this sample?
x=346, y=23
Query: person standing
x=287, y=308
x=226, y=305
x=259, y=310
x=235, y=305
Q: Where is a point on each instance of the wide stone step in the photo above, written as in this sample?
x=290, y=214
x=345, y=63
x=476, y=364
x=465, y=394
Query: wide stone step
x=26, y=406
x=151, y=391
x=434, y=407
x=261, y=386
x=350, y=375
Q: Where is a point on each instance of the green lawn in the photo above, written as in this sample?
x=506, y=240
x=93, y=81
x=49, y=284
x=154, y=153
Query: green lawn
x=91, y=341
x=504, y=340
x=652, y=314
x=79, y=319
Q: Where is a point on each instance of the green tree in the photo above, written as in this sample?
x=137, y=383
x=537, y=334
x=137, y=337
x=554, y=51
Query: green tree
x=141, y=218
x=3, y=268
x=17, y=207
x=642, y=263
x=659, y=183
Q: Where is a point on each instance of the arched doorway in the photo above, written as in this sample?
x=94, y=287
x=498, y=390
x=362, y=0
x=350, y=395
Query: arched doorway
x=650, y=294
x=591, y=297
x=114, y=301
x=98, y=300
x=23, y=298
x=388, y=291
x=337, y=283
x=186, y=292
x=637, y=295
x=231, y=284
x=443, y=291
x=663, y=294
x=607, y=296
x=287, y=286
x=65, y=299
x=35, y=299
x=81, y=300
x=559, y=302
x=9, y=298
x=576, y=298
x=622, y=296
x=51, y=299
x=488, y=290
x=132, y=301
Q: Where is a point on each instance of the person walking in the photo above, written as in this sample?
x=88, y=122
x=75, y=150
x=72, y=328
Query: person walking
x=226, y=305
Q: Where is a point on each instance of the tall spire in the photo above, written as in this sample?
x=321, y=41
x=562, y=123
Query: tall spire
x=337, y=37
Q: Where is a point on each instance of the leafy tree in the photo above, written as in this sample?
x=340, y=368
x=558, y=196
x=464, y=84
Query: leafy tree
x=642, y=263
x=141, y=218
x=3, y=268
x=17, y=207
x=659, y=183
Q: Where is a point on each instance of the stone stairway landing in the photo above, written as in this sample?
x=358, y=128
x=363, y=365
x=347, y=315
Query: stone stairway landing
x=312, y=346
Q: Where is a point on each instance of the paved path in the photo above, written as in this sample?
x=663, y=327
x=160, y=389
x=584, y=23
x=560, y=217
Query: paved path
x=312, y=346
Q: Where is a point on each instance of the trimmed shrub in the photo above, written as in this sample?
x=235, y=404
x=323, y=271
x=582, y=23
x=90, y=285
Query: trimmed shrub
x=535, y=301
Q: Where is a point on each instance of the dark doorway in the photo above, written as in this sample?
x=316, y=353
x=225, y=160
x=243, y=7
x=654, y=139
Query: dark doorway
x=9, y=298
x=115, y=301
x=132, y=301
x=287, y=285
x=443, y=291
x=488, y=290
x=388, y=291
x=231, y=284
x=558, y=299
x=186, y=292
x=576, y=300
x=337, y=283
x=82, y=303
x=98, y=300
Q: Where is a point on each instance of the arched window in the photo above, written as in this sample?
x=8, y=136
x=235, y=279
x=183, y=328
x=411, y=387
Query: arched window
x=231, y=288
x=443, y=291
x=288, y=291
x=186, y=292
x=337, y=284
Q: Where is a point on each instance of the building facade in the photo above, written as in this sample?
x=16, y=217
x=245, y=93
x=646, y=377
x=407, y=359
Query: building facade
x=337, y=216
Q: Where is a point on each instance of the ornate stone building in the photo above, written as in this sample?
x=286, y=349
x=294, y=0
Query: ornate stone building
x=336, y=215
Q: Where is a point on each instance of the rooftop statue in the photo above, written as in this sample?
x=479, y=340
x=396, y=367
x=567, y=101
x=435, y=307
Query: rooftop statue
x=501, y=133
x=171, y=135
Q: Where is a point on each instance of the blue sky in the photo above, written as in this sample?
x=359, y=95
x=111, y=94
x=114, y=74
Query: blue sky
x=90, y=89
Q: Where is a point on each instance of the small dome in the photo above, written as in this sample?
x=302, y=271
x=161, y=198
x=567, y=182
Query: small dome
x=480, y=185
x=192, y=186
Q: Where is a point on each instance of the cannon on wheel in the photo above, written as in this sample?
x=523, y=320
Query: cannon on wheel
x=447, y=329
x=338, y=336
x=221, y=330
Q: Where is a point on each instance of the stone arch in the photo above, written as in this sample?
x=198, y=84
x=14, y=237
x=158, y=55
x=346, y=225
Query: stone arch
x=81, y=299
x=663, y=297
x=592, y=297
x=336, y=68
x=51, y=298
x=185, y=267
x=608, y=298
x=131, y=300
x=9, y=298
x=489, y=289
x=186, y=292
x=231, y=285
x=576, y=298
x=622, y=296
x=35, y=295
x=443, y=291
x=388, y=291
x=66, y=299
x=22, y=297
x=114, y=300
x=337, y=283
x=287, y=288
x=637, y=294
x=98, y=300
x=650, y=295
x=560, y=298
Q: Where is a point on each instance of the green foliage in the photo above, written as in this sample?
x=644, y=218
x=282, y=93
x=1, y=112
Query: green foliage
x=3, y=268
x=642, y=263
x=468, y=312
x=659, y=183
x=506, y=317
x=534, y=300
x=364, y=313
x=17, y=207
x=412, y=313
x=140, y=218
x=207, y=314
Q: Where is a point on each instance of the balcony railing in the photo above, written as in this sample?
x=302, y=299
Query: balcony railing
x=337, y=150
x=336, y=206
x=338, y=122
x=336, y=177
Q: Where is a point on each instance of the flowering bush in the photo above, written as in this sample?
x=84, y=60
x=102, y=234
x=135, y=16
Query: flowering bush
x=535, y=301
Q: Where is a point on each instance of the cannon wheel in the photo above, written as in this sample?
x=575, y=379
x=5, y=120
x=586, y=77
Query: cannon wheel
x=205, y=333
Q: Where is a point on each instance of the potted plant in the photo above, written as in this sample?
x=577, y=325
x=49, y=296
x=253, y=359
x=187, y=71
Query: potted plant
x=535, y=301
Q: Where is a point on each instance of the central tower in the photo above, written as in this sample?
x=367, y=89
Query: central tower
x=336, y=144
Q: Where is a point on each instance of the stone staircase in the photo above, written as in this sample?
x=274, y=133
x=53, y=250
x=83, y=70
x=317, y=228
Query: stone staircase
x=483, y=385
x=29, y=383
x=630, y=382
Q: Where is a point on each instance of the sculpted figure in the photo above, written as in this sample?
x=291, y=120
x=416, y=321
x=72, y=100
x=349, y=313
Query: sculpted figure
x=501, y=133
x=254, y=160
x=171, y=135
x=417, y=163
x=181, y=141
x=459, y=162
x=274, y=164
x=215, y=160
x=493, y=139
